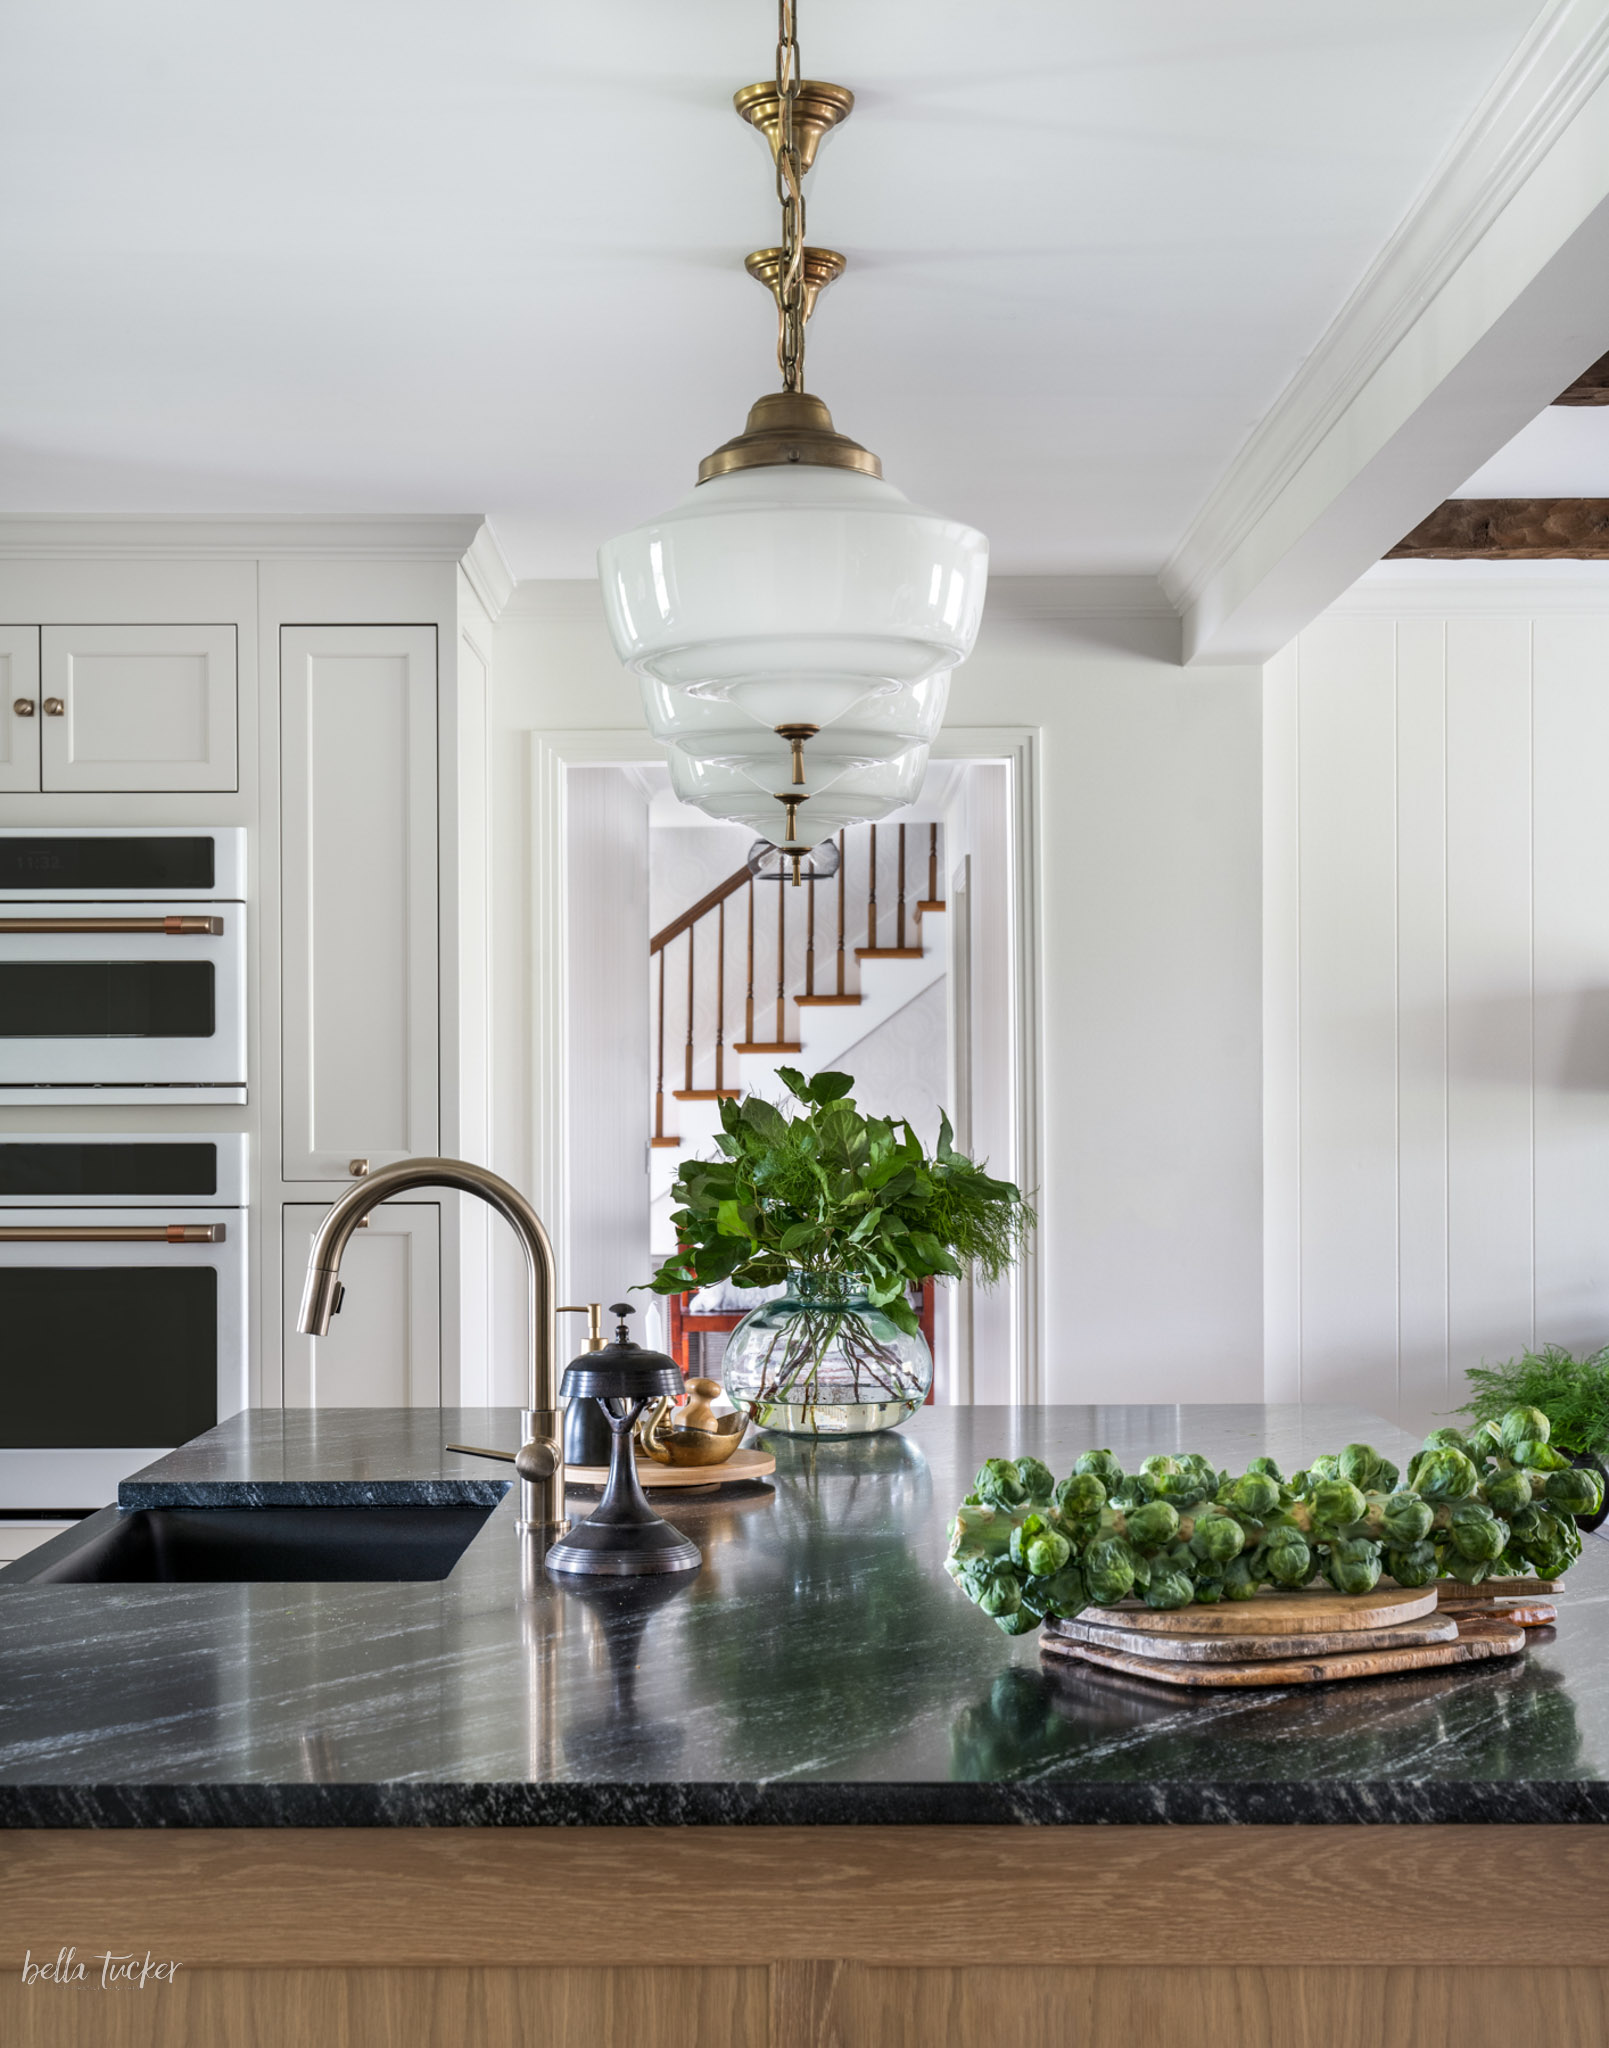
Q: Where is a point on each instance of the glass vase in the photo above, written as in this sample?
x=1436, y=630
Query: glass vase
x=823, y=1360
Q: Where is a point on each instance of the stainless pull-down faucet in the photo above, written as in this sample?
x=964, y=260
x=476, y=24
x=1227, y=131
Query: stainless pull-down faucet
x=540, y=1462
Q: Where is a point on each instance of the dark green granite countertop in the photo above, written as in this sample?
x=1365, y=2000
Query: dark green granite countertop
x=818, y=1669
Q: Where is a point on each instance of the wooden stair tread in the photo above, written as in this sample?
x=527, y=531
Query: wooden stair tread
x=658, y=1143
x=817, y=1001
x=888, y=953
x=929, y=906
x=706, y=1094
x=760, y=1045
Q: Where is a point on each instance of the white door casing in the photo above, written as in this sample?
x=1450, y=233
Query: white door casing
x=361, y=1070
x=19, y=732
x=384, y=1348
x=143, y=708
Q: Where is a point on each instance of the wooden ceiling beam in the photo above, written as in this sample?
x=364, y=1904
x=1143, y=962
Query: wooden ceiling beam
x=1510, y=530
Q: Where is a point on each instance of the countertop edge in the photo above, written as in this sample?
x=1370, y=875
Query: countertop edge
x=519, y=1804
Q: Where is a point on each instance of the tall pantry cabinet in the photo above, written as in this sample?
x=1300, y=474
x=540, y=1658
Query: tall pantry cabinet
x=314, y=681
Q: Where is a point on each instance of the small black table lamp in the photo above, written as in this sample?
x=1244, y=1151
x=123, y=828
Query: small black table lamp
x=623, y=1535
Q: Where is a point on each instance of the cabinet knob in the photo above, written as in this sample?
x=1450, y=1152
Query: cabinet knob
x=358, y=1168
x=55, y=707
x=24, y=707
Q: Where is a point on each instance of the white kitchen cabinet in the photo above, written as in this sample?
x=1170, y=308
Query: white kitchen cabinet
x=19, y=728
x=360, y=975
x=384, y=1348
x=138, y=708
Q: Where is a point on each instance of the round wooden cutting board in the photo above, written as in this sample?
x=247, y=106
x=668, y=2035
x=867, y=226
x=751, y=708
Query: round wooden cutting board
x=741, y=1469
x=1274, y=1614
x=1411, y=1635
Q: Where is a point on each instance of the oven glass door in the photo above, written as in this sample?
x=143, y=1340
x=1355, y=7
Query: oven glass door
x=124, y=1335
x=104, y=994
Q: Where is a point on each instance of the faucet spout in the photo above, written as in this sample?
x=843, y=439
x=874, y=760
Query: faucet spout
x=541, y=1460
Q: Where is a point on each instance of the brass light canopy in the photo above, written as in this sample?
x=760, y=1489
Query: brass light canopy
x=785, y=427
x=822, y=267
x=818, y=108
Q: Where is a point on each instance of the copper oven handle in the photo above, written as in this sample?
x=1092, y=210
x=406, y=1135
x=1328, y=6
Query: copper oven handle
x=173, y=927
x=112, y=1233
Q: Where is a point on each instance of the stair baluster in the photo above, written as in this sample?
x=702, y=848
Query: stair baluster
x=843, y=866
x=748, y=1001
x=871, y=897
x=692, y=933
x=899, y=922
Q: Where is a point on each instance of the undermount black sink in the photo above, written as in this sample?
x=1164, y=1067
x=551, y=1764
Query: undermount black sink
x=251, y=1546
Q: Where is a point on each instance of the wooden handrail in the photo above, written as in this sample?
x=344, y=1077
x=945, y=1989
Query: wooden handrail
x=678, y=925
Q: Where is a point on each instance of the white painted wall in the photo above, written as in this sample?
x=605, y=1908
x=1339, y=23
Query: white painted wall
x=1437, y=982
x=1148, y=956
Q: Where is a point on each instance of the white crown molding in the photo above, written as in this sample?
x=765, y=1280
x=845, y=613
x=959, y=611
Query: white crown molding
x=573, y=600
x=1478, y=590
x=1560, y=64
x=424, y=537
x=486, y=567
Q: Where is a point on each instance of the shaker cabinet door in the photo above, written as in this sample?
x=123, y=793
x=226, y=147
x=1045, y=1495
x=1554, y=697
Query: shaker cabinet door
x=138, y=707
x=359, y=979
x=19, y=709
x=384, y=1348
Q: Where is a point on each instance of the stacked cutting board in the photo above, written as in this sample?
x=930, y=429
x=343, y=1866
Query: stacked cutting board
x=1311, y=1637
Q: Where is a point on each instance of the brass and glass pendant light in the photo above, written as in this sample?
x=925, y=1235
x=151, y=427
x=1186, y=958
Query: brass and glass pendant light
x=795, y=618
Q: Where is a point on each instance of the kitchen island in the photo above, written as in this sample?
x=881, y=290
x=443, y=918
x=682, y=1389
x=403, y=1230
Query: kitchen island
x=807, y=1794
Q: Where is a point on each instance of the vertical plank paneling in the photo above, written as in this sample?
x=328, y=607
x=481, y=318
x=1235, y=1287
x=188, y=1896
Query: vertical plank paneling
x=1282, y=1017
x=1571, y=899
x=1348, y=995
x=1489, y=1132
x=1422, y=1019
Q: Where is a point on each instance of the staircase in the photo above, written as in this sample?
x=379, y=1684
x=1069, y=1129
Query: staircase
x=788, y=977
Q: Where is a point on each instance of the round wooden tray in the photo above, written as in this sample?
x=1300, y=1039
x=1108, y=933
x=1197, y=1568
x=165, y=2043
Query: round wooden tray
x=1274, y=1614
x=741, y=1469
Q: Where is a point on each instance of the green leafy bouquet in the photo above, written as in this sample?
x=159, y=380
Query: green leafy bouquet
x=832, y=1193
x=1500, y=1501
x=1573, y=1393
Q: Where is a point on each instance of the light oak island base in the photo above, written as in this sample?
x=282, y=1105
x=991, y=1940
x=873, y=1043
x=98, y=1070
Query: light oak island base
x=939, y=1937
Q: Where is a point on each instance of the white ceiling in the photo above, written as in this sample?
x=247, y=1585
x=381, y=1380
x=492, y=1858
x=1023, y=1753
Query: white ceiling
x=1563, y=453
x=485, y=256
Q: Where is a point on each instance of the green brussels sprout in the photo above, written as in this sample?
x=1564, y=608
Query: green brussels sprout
x=1448, y=1439
x=1062, y=1594
x=1269, y=1470
x=1475, y=1533
x=1038, y=1481
x=1507, y=1492
x=1288, y=1557
x=1468, y=1571
x=1405, y=1520
x=1413, y=1564
x=1445, y=1475
x=1337, y=1504
x=1080, y=1497
x=1354, y=1564
x=1170, y=1587
x=1109, y=1571
x=1523, y=1425
x=1359, y=1463
x=1239, y=1584
x=1326, y=1467
x=1254, y=1494
x=1037, y=1548
x=1104, y=1466
x=1575, y=1492
x=1018, y=1623
x=1134, y=1492
x=1217, y=1538
x=1537, y=1456
x=999, y=1483
x=1209, y=1585
x=1000, y=1592
x=1152, y=1525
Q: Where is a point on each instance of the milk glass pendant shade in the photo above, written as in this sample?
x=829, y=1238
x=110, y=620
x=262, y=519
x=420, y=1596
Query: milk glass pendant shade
x=795, y=618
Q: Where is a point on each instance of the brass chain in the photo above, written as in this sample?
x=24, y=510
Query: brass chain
x=790, y=191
